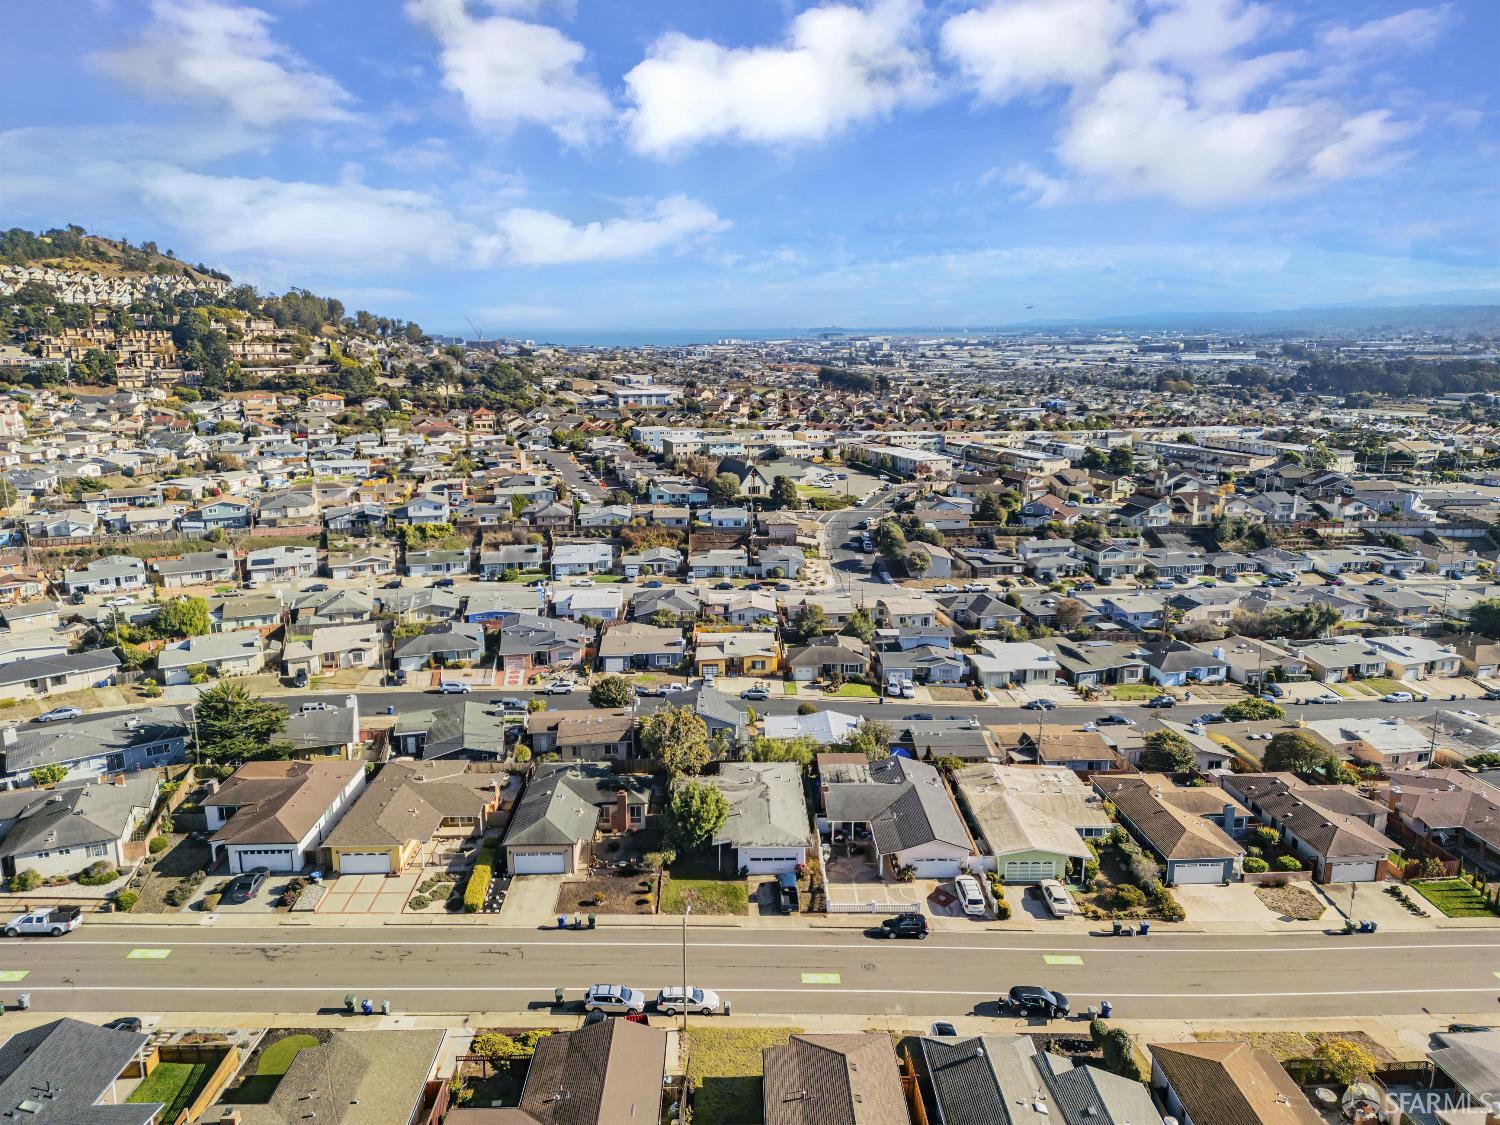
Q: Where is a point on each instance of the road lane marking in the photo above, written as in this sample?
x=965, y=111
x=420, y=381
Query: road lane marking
x=822, y=978
x=148, y=954
x=1062, y=959
x=10, y=976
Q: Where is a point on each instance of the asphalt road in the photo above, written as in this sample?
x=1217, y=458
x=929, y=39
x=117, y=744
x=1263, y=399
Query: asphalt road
x=463, y=969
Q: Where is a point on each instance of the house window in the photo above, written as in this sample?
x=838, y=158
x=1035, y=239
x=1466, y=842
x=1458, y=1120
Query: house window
x=96, y=850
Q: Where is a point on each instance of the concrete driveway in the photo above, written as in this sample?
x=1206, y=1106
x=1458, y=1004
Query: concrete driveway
x=1236, y=903
x=369, y=894
x=532, y=900
x=854, y=881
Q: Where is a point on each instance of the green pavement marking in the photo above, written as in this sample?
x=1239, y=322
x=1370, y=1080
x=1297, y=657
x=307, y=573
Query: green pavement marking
x=10, y=976
x=148, y=954
x=821, y=978
x=1062, y=959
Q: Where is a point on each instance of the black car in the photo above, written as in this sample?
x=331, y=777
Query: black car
x=783, y=586
x=300, y=679
x=1038, y=705
x=242, y=887
x=125, y=1023
x=1161, y=701
x=1492, y=695
x=393, y=584
x=1034, y=1000
x=723, y=585
x=443, y=583
x=396, y=677
x=904, y=925
x=918, y=717
x=1115, y=721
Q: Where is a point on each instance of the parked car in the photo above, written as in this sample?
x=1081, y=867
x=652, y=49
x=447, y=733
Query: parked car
x=723, y=585
x=975, y=588
x=755, y=693
x=512, y=703
x=1399, y=697
x=695, y=1001
x=783, y=587
x=396, y=677
x=969, y=894
x=581, y=582
x=125, y=1023
x=1038, y=705
x=243, y=886
x=1275, y=691
x=53, y=922
x=558, y=687
x=1211, y=717
x=942, y=1029
x=945, y=588
x=58, y=714
x=918, y=717
x=613, y=998
x=904, y=925
x=1058, y=902
x=1116, y=721
x=1034, y=1000
x=654, y=584
x=908, y=690
x=1161, y=701
x=300, y=680
x=117, y=601
x=453, y=687
x=443, y=584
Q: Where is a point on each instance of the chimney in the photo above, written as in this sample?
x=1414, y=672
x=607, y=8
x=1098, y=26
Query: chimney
x=1229, y=814
x=8, y=735
x=622, y=811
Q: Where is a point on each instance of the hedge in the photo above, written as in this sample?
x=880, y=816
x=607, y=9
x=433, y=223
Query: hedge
x=1254, y=865
x=477, y=889
x=126, y=899
x=1288, y=863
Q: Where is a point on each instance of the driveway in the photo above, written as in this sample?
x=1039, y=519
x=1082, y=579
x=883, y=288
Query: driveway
x=369, y=894
x=532, y=900
x=261, y=902
x=1235, y=904
x=853, y=880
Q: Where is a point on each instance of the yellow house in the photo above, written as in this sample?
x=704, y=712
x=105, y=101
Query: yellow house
x=737, y=653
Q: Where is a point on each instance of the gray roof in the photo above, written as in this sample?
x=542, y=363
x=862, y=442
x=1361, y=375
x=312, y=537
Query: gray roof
x=766, y=805
x=561, y=805
x=335, y=725
x=441, y=639
x=408, y=800
x=905, y=803
x=75, y=1063
x=89, y=738
x=101, y=662
x=73, y=815
x=195, y=562
x=210, y=648
x=462, y=727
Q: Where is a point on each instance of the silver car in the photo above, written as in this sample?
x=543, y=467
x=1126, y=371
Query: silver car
x=616, y=999
x=695, y=1001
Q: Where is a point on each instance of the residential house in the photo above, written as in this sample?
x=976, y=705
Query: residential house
x=1332, y=827
x=522, y=557
x=605, y=603
x=651, y=560
x=245, y=611
x=563, y=808
x=847, y=1079
x=1081, y=750
x=222, y=654
x=824, y=727
x=63, y=830
x=582, y=736
x=1174, y=663
x=908, y=813
x=1457, y=810
x=828, y=657
x=719, y=563
x=280, y=564
x=95, y=746
x=441, y=646
x=1137, y=611
x=1339, y=658
x=1227, y=1083
x=767, y=830
x=1033, y=820
x=1002, y=664
x=1094, y=664
x=332, y=647
x=1252, y=661
x=981, y=612
x=276, y=814
x=573, y=559
x=737, y=653
x=465, y=730
x=920, y=660
x=407, y=807
x=425, y=564
x=1416, y=658
x=901, y=611
x=67, y=1072
x=1190, y=829
x=528, y=642
x=198, y=568
x=108, y=575
x=637, y=647
x=781, y=562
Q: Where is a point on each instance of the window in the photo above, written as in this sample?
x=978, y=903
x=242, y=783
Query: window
x=96, y=850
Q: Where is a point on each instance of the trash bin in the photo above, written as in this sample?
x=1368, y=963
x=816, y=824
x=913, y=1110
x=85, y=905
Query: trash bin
x=1117, y=926
x=562, y=921
x=349, y=1003
x=385, y=1007
x=1105, y=1008
x=726, y=1007
x=1145, y=928
x=557, y=996
x=367, y=1007
x=23, y=1001
x=593, y=921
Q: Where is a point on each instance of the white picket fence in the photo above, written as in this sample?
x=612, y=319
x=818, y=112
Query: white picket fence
x=874, y=908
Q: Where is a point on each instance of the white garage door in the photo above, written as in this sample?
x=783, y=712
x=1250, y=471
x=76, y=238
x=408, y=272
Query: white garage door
x=538, y=863
x=1352, y=872
x=1028, y=870
x=365, y=863
x=936, y=868
x=771, y=863
x=274, y=859
x=1197, y=872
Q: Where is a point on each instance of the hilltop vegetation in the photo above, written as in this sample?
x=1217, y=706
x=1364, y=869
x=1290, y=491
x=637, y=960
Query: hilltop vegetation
x=73, y=248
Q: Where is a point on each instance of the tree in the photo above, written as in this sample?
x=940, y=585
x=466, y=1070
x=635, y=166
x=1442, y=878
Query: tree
x=235, y=726
x=724, y=488
x=695, y=813
x=871, y=738
x=1168, y=752
x=1121, y=459
x=890, y=540
x=678, y=738
x=918, y=562
x=1069, y=613
x=860, y=624
x=1253, y=710
x=184, y=617
x=810, y=621
x=802, y=750
x=49, y=774
x=611, y=691
x=1484, y=617
x=1345, y=1061
x=784, y=492
x=1293, y=752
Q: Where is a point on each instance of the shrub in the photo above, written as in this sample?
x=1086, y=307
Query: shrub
x=28, y=879
x=1002, y=909
x=1168, y=909
x=655, y=861
x=48, y=775
x=1288, y=863
x=806, y=709
x=419, y=902
x=1254, y=865
x=210, y=902
x=158, y=845
x=1127, y=897
x=178, y=895
x=98, y=874
x=1119, y=1054
x=477, y=889
x=1266, y=837
x=126, y=900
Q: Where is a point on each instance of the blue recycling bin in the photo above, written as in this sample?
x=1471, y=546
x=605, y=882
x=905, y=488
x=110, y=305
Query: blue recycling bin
x=1145, y=928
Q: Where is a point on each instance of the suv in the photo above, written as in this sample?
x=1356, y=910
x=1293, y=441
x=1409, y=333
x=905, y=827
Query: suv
x=452, y=687
x=904, y=925
x=559, y=687
x=695, y=1002
x=1161, y=701
x=1034, y=1000
x=970, y=895
x=755, y=693
x=613, y=998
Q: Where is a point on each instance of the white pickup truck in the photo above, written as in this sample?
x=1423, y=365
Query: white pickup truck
x=54, y=922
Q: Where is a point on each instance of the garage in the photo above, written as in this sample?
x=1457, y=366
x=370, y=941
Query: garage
x=1185, y=873
x=936, y=868
x=770, y=863
x=539, y=863
x=1028, y=870
x=1354, y=871
x=273, y=859
x=364, y=863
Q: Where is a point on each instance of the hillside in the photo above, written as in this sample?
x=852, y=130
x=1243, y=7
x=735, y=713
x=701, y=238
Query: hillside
x=72, y=248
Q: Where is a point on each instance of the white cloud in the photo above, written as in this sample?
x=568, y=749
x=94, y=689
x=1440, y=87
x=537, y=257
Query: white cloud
x=542, y=238
x=1031, y=184
x=1012, y=47
x=1363, y=140
x=1195, y=33
x=840, y=65
x=509, y=71
x=207, y=51
x=1409, y=30
x=352, y=226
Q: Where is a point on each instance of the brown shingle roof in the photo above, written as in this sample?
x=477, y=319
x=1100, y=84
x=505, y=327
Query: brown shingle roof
x=833, y=1080
x=1232, y=1084
x=408, y=800
x=1149, y=804
x=610, y=1073
x=279, y=802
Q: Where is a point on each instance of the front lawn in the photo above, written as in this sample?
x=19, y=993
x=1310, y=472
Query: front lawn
x=724, y=1066
x=854, y=691
x=1454, y=897
x=1129, y=693
x=273, y=1062
x=173, y=1084
x=698, y=885
x=1384, y=685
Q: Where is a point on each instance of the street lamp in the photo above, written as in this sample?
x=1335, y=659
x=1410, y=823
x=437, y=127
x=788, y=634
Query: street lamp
x=687, y=912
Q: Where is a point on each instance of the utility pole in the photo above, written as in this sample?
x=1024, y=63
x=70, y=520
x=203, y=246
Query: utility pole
x=687, y=912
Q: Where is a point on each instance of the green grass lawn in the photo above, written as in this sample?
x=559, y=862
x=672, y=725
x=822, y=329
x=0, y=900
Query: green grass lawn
x=175, y=1085
x=699, y=885
x=1454, y=897
x=1345, y=691
x=854, y=691
x=724, y=1065
x=1125, y=693
x=274, y=1061
x=1383, y=685
x=788, y=688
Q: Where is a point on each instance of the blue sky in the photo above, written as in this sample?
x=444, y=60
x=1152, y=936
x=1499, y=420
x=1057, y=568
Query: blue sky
x=545, y=166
